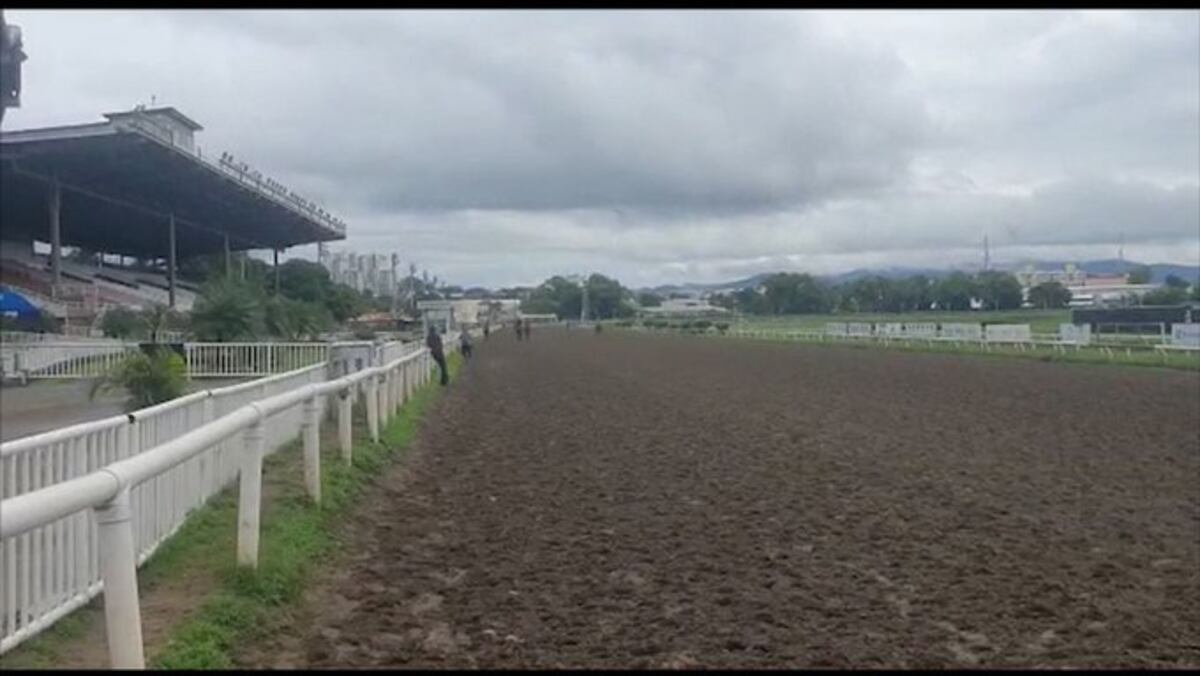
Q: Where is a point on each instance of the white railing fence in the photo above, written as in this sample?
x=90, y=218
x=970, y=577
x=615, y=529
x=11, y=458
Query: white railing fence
x=75, y=359
x=84, y=505
x=1184, y=337
x=223, y=360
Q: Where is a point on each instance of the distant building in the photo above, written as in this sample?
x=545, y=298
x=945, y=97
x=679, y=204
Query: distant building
x=1069, y=275
x=1108, y=290
x=683, y=307
x=1086, y=290
x=363, y=272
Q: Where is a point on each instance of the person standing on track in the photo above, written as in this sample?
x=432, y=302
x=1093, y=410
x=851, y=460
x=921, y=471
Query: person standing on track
x=487, y=327
x=517, y=328
x=464, y=344
x=434, y=342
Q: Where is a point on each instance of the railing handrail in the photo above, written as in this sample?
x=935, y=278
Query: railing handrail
x=48, y=344
x=25, y=443
x=258, y=382
x=46, y=505
x=261, y=342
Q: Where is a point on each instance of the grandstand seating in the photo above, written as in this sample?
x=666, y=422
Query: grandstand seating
x=89, y=290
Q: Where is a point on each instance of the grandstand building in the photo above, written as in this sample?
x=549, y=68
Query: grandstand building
x=135, y=187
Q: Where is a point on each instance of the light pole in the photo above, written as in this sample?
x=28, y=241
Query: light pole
x=581, y=280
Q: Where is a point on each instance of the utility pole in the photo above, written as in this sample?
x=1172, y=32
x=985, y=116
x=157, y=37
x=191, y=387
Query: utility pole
x=1121, y=255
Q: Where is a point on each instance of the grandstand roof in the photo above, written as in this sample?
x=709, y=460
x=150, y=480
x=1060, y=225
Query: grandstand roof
x=122, y=178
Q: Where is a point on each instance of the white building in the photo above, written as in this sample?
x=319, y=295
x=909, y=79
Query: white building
x=682, y=307
x=362, y=272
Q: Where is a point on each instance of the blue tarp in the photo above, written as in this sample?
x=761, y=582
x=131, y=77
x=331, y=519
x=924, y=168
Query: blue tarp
x=13, y=304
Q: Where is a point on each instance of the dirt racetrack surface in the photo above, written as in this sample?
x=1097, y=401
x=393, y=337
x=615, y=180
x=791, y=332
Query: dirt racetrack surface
x=623, y=500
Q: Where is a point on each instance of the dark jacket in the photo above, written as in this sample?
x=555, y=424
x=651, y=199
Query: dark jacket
x=434, y=342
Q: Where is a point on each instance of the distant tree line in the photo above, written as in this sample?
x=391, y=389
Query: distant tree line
x=798, y=293
x=606, y=298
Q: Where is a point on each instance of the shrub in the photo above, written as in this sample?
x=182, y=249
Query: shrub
x=722, y=326
x=150, y=378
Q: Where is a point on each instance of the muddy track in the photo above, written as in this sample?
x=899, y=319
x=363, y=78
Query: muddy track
x=619, y=500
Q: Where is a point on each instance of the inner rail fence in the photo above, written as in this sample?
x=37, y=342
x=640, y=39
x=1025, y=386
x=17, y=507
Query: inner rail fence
x=84, y=505
x=29, y=359
x=1183, y=337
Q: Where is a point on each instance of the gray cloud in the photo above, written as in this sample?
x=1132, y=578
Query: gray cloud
x=505, y=146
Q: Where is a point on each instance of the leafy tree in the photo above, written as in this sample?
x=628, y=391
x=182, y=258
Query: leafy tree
x=914, y=293
x=649, y=299
x=790, y=293
x=869, y=294
x=123, y=323
x=1167, y=295
x=206, y=267
x=304, y=280
x=158, y=318
x=148, y=378
x=1140, y=275
x=607, y=299
x=954, y=292
x=228, y=310
x=556, y=295
x=1051, y=294
x=749, y=300
x=1177, y=282
x=345, y=303
x=999, y=290
x=295, y=320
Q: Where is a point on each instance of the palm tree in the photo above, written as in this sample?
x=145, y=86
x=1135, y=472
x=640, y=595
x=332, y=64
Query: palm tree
x=227, y=310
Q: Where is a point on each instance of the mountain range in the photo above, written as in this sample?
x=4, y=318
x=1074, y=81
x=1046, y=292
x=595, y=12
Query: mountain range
x=1107, y=266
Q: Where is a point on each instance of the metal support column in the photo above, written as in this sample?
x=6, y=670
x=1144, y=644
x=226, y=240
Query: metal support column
x=171, y=261
x=55, y=235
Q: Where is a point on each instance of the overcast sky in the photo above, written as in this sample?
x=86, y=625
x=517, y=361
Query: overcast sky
x=500, y=148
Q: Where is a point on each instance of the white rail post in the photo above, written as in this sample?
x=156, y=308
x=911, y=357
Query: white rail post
x=408, y=381
x=373, y=408
x=385, y=411
x=312, y=448
x=398, y=389
x=249, y=490
x=345, y=436
x=118, y=569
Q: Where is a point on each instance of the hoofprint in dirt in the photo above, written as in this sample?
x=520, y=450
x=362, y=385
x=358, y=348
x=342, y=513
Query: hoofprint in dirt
x=617, y=500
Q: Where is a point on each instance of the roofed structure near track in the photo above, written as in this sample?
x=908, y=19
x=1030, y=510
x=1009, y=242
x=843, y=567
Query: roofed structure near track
x=122, y=179
x=138, y=185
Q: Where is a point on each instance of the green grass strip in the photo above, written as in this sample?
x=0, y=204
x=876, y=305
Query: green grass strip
x=295, y=536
